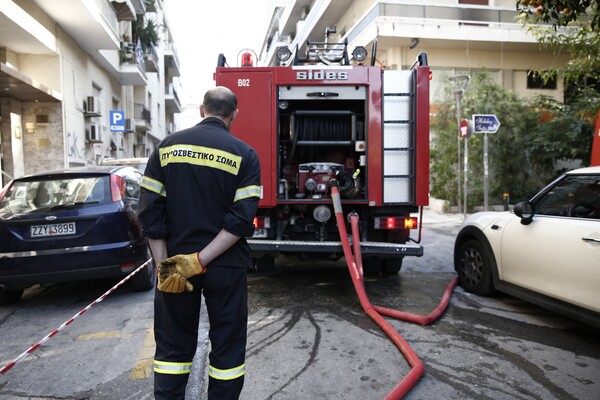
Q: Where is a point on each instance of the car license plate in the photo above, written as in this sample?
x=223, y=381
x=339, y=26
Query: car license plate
x=66, y=228
x=260, y=233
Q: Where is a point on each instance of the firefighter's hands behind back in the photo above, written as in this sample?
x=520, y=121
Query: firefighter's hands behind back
x=172, y=282
x=177, y=268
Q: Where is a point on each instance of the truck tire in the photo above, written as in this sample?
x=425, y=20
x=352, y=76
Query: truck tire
x=10, y=296
x=392, y=266
x=372, y=266
x=265, y=264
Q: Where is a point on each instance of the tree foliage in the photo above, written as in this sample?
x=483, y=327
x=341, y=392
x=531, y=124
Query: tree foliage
x=572, y=26
x=523, y=155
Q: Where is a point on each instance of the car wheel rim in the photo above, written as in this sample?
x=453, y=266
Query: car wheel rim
x=472, y=266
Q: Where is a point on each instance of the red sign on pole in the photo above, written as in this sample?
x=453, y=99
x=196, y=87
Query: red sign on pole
x=464, y=129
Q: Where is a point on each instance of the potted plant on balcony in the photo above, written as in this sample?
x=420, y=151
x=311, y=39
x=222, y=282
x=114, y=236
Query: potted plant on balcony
x=147, y=33
x=127, y=49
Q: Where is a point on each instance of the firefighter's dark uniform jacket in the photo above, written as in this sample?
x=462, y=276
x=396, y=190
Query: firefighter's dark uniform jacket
x=197, y=182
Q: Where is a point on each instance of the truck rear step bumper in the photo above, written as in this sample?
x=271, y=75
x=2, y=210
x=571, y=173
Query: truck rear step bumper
x=387, y=250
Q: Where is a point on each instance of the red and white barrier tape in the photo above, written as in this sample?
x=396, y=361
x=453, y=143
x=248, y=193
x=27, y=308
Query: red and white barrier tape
x=66, y=323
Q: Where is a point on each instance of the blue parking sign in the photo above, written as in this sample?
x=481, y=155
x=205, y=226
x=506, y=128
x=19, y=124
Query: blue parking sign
x=117, y=121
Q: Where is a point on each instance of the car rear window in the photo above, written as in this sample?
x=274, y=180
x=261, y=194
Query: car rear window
x=41, y=195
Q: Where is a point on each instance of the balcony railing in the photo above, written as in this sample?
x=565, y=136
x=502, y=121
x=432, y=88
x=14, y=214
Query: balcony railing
x=141, y=113
x=151, y=59
x=172, y=98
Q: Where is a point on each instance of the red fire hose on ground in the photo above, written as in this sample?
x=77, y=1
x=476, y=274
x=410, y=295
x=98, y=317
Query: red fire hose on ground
x=354, y=263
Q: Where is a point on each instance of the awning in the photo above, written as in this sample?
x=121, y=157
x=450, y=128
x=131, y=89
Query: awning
x=124, y=10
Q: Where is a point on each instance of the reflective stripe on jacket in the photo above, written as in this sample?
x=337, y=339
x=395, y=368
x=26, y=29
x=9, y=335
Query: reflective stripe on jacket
x=197, y=182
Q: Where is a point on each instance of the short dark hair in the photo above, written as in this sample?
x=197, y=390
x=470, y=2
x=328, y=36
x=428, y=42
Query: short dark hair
x=220, y=101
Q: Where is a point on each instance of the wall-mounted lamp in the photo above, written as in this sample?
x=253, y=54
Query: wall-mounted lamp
x=414, y=43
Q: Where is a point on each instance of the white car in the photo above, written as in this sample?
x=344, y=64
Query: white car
x=547, y=251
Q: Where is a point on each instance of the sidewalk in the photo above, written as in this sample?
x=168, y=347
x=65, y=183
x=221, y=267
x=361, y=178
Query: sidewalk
x=432, y=216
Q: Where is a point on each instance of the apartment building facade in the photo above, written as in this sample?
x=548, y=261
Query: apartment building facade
x=460, y=37
x=84, y=80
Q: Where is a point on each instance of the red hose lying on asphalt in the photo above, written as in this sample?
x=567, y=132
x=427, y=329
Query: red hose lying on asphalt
x=354, y=263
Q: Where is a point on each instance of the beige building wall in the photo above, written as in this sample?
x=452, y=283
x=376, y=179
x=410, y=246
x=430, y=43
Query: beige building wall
x=506, y=51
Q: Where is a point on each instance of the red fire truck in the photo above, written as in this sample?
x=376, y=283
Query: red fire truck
x=327, y=116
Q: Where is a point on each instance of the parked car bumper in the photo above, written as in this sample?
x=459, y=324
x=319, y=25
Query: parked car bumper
x=23, y=269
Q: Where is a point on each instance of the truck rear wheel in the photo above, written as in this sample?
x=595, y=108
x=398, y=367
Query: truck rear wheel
x=392, y=266
x=265, y=264
x=372, y=266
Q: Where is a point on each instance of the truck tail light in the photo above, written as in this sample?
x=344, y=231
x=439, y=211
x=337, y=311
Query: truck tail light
x=394, y=223
x=262, y=222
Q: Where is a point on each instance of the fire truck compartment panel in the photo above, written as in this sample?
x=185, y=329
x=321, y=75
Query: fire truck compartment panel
x=397, y=190
x=397, y=136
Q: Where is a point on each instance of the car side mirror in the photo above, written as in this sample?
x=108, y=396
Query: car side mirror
x=525, y=210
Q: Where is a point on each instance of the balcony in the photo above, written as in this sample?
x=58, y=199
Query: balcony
x=172, y=102
x=396, y=23
x=151, y=59
x=172, y=60
x=132, y=65
x=92, y=24
x=143, y=119
x=139, y=6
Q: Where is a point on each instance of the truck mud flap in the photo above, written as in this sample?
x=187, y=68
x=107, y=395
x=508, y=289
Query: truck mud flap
x=389, y=250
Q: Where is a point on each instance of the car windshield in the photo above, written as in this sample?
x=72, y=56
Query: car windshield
x=32, y=196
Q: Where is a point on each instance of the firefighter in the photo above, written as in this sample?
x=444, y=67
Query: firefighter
x=199, y=196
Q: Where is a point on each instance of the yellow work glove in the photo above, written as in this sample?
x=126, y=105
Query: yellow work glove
x=181, y=266
x=173, y=283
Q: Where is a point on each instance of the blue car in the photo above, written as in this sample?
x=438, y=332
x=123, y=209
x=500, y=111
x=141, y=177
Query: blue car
x=72, y=225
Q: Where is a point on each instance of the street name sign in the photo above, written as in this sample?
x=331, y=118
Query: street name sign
x=485, y=123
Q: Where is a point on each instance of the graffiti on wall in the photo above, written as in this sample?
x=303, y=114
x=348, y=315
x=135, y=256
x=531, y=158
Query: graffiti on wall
x=76, y=148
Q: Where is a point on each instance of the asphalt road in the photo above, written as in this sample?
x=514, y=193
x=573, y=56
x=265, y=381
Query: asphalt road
x=309, y=338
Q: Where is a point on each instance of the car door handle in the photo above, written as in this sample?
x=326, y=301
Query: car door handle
x=590, y=239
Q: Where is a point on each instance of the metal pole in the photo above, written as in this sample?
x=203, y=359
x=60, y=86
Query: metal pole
x=485, y=172
x=458, y=93
x=466, y=175
x=460, y=83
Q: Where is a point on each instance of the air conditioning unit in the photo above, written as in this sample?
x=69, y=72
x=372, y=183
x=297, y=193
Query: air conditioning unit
x=94, y=133
x=129, y=125
x=94, y=106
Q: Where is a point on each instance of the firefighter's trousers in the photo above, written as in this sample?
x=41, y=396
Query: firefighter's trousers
x=176, y=319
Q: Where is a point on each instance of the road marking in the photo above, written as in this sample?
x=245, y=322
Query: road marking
x=143, y=368
x=100, y=335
